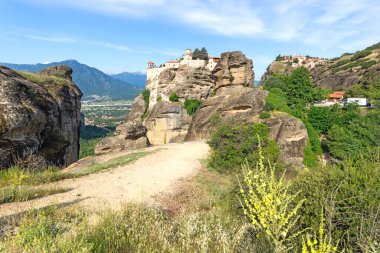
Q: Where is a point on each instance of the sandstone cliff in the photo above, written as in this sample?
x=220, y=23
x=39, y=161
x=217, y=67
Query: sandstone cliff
x=39, y=113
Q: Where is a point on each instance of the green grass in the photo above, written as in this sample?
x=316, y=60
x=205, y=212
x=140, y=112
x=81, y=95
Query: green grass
x=51, y=83
x=25, y=193
x=18, y=176
x=113, y=163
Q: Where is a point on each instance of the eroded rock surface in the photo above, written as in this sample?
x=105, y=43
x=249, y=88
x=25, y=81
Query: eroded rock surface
x=167, y=123
x=233, y=69
x=291, y=136
x=131, y=135
x=39, y=113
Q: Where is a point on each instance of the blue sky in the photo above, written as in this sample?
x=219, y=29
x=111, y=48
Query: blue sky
x=122, y=35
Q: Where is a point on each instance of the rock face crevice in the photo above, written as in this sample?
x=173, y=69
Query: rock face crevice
x=39, y=113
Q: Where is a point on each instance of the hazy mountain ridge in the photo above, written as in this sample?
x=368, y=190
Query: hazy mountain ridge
x=90, y=80
x=137, y=78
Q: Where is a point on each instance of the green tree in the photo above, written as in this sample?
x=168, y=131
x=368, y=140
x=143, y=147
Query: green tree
x=196, y=54
x=299, y=87
x=204, y=54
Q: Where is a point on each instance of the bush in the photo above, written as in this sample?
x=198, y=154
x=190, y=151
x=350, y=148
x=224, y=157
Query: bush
x=231, y=144
x=173, y=97
x=146, y=96
x=264, y=115
x=360, y=54
x=349, y=196
x=269, y=205
x=277, y=100
x=192, y=105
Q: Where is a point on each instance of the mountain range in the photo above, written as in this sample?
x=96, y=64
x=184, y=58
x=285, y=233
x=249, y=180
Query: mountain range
x=93, y=82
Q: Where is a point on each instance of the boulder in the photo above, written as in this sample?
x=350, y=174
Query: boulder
x=131, y=135
x=291, y=136
x=138, y=109
x=167, y=123
x=233, y=69
x=39, y=114
x=233, y=103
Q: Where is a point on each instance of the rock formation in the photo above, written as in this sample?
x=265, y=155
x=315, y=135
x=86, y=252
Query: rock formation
x=338, y=73
x=233, y=69
x=167, y=122
x=291, y=136
x=226, y=93
x=39, y=113
x=131, y=135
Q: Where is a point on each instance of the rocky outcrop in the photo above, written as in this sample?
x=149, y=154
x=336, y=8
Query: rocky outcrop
x=138, y=109
x=234, y=103
x=39, y=113
x=131, y=135
x=338, y=73
x=233, y=69
x=291, y=136
x=167, y=123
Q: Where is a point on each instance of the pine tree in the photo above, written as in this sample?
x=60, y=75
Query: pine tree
x=196, y=54
x=204, y=54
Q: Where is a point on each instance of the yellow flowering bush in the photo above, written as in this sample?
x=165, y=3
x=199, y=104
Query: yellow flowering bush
x=320, y=245
x=268, y=204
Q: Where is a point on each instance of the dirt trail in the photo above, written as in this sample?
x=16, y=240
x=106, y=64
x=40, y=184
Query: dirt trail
x=141, y=181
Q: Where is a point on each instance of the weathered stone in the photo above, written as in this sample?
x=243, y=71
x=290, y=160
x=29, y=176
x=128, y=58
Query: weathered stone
x=167, y=123
x=39, y=117
x=233, y=69
x=235, y=103
x=291, y=136
x=131, y=130
x=138, y=109
x=117, y=143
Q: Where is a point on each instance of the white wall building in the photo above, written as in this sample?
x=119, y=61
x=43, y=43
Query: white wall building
x=358, y=101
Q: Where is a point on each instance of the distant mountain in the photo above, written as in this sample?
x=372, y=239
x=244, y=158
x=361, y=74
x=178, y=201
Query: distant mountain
x=90, y=80
x=136, y=78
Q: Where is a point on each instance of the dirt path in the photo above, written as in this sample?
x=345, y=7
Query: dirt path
x=141, y=181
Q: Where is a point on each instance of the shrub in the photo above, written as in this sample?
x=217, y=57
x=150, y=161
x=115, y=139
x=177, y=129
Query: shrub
x=173, y=97
x=269, y=205
x=349, y=196
x=360, y=54
x=232, y=143
x=192, y=105
x=264, y=115
x=277, y=100
x=146, y=96
x=159, y=99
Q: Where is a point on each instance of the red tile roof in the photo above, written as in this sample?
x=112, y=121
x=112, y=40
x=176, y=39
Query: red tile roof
x=337, y=94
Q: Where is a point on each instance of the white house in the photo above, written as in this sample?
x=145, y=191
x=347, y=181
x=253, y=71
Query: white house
x=358, y=101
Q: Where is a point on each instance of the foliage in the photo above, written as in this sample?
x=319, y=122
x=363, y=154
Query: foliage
x=360, y=54
x=192, y=105
x=299, y=87
x=310, y=159
x=269, y=205
x=275, y=80
x=159, y=99
x=173, y=97
x=276, y=100
x=349, y=196
x=320, y=244
x=200, y=54
x=231, y=144
x=89, y=137
x=18, y=193
x=135, y=228
x=265, y=115
x=146, y=96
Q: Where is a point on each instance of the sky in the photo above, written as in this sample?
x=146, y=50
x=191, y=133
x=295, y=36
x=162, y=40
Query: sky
x=123, y=35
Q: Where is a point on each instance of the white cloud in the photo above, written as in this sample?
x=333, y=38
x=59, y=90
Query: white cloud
x=324, y=24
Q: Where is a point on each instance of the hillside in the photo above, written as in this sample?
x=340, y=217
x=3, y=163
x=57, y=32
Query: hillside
x=137, y=78
x=350, y=69
x=90, y=80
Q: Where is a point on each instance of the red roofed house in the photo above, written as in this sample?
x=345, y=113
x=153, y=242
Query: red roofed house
x=336, y=97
